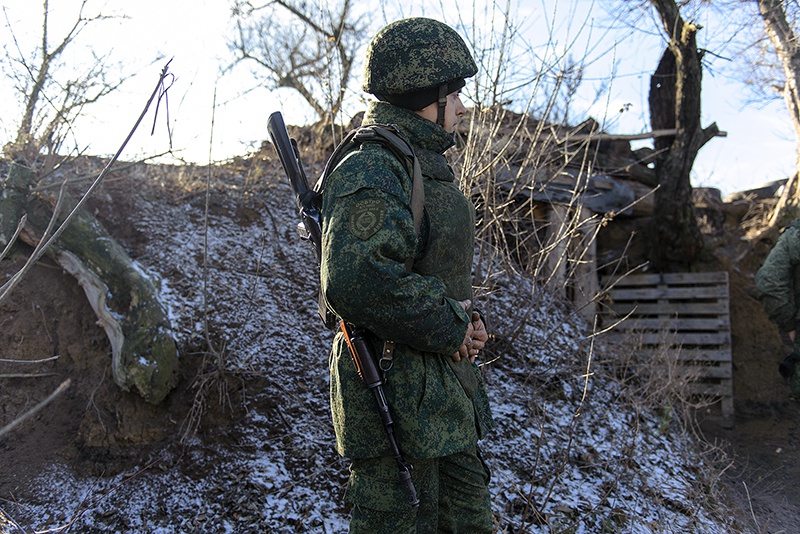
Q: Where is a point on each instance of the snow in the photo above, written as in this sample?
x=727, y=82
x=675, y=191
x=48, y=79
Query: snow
x=570, y=452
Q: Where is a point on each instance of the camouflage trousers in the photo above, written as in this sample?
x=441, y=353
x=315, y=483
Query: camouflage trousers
x=453, y=493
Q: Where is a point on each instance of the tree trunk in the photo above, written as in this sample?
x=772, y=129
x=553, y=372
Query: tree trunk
x=144, y=353
x=784, y=40
x=674, y=100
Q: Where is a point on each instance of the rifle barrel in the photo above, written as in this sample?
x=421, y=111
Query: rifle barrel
x=287, y=152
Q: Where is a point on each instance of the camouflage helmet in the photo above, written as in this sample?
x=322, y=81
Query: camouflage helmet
x=416, y=55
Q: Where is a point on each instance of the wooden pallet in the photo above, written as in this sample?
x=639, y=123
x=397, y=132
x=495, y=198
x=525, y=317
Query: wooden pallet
x=686, y=312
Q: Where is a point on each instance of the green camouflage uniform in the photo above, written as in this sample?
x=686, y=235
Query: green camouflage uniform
x=778, y=284
x=440, y=407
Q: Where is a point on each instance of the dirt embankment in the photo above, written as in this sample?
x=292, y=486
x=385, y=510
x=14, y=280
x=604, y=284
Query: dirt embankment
x=101, y=430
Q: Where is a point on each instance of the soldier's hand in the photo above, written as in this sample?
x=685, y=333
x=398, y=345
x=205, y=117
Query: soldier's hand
x=479, y=336
x=476, y=337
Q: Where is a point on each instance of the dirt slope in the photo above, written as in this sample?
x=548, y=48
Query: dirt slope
x=102, y=430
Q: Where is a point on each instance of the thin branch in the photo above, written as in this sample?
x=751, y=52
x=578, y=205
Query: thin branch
x=5, y=290
x=43, y=360
x=6, y=517
x=26, y=375
x=20, y=226
x=33, y=411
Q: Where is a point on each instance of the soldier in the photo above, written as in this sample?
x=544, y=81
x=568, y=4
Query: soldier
x=416, y=68
x=778, y=285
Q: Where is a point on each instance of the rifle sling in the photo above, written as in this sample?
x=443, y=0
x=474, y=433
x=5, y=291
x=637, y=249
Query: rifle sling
x=417, y=207
x=388, y=136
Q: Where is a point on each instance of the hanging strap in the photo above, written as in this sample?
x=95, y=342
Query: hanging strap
x=398, y=144
x=389, y=136
x=404, y=151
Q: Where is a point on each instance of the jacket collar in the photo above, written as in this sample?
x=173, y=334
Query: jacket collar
x=418, y=131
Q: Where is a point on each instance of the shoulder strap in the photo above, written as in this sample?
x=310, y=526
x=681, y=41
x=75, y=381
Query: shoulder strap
x=389, y=136
x=404, y=150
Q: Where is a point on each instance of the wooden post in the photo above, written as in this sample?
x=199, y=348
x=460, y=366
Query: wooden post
x=556, y=247
x=586, y=282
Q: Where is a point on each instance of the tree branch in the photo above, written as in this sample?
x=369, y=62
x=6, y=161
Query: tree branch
x=36, y=409
x=5, y=290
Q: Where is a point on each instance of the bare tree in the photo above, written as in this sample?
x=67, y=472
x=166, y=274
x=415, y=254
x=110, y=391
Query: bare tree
x=780, y=25
x=50, y=100
x=300, y=47
x=674, y=99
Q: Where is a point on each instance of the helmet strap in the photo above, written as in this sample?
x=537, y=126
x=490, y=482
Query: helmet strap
x=442, y=105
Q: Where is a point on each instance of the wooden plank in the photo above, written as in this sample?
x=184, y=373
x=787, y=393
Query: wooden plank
x=711, y=374
x=606, y=136
x=587, y=286
x=670, y=308
x=722, y=370
x=557, y=240
x=706, y=355
x=719, y=277
x=669, y=293
x=674, y=323
x=651, y=279
x=712, y=390
x=677, y=339
x=632, y=280
x=727, y=407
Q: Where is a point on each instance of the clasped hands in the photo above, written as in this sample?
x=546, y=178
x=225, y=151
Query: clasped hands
x=476, y=336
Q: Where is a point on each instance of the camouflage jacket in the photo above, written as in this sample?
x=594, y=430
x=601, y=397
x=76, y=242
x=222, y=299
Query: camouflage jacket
x=439, y=407
x=778, y=280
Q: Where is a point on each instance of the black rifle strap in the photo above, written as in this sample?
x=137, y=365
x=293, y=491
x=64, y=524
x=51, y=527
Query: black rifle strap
x=389, y=137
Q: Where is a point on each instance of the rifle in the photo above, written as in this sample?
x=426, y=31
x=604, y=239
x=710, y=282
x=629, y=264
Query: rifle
x=373, y=379
x=362, y=354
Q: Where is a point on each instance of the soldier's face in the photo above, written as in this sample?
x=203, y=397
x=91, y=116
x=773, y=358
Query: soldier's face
x=452, y=112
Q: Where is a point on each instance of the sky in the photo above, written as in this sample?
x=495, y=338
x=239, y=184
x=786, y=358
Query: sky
x=215, y=117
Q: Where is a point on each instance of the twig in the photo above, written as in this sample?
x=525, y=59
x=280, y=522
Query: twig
x=16, y=422
x=750, y=505
x=205, y=222
x=26, y=375
x=20, y=226
x=50, y=359
x=4, y=516
x=14, y=281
